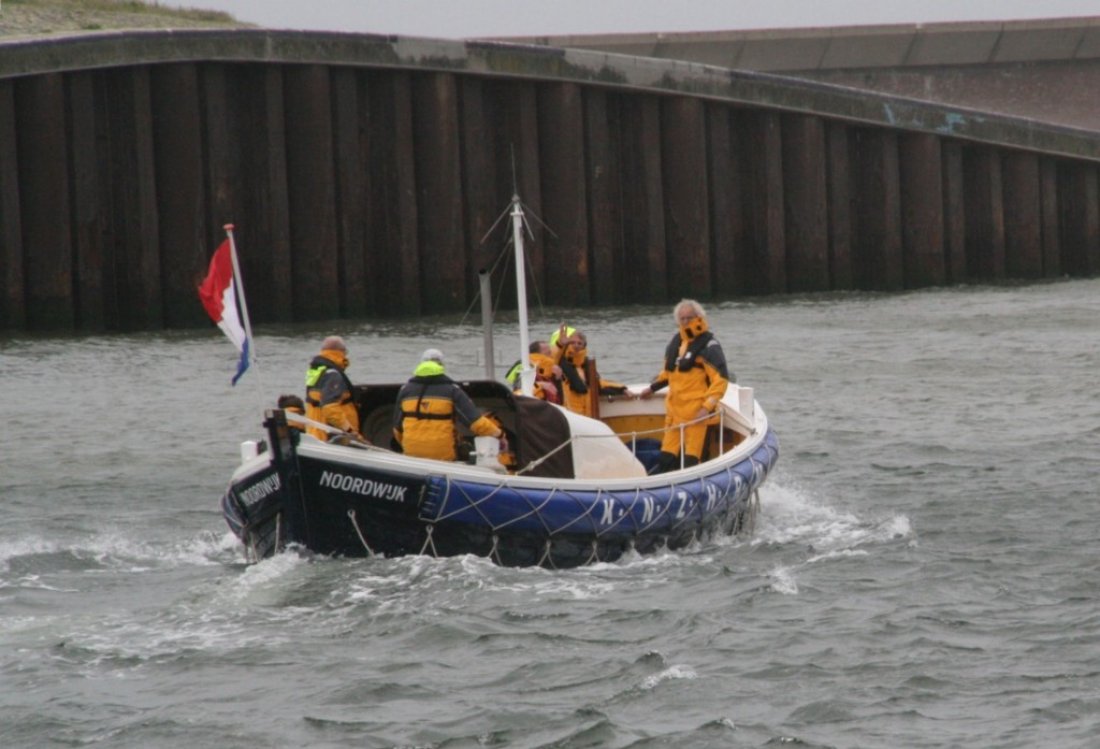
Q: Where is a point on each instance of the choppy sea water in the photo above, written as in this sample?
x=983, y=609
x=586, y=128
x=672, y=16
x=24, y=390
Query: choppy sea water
x=924, y=571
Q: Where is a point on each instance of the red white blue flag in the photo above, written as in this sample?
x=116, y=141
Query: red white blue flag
x=219, y=293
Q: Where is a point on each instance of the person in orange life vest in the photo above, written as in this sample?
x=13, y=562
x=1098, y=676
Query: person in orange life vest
x=329, y=395
x=292, y=404
x=428, y=406
x=548, y=377
x=547, y=373
x=696, y=374
x=575, y=378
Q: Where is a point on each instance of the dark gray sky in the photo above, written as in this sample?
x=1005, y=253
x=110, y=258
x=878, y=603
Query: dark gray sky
x=473, y=18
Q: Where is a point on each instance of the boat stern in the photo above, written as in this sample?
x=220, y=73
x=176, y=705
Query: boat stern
x=259, y=492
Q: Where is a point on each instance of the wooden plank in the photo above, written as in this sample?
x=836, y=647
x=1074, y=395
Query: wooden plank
x=1023, y=215
x=229, y=136
x=273, y=210
x=350, y=191
x=564, y=193
x=222, y=151
x=687, y=218
x=954, y=207
x=877, y=220
x=479, y=194
x=12, y=298
x=644, y=270
x=482, y=204
x=181, y=194
x=1090, y=194
x=134, y=219
x=805, y=203
x=1080, y=217
x=519, y=169
x=147, y=230
x=603, y=183
x=311, y=192
x=922, y=210
x=727, y=218
x=90, y=207
x=444, y=271
x=985, y=228
x=766, y=269
x=839, y=176
x=246, y=169
x=44, y=195
x=392, y=222
x=1051, y=235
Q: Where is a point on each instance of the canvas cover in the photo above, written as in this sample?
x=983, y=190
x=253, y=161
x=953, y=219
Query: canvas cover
x=598, y=453
x=542, y=427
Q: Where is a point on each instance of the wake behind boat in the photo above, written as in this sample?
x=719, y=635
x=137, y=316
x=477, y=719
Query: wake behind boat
x=576, y=490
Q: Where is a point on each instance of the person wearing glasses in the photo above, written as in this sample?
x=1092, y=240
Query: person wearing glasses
x=696, y=375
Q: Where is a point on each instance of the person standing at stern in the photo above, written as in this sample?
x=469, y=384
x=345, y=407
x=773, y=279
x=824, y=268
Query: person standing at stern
x=696, y=375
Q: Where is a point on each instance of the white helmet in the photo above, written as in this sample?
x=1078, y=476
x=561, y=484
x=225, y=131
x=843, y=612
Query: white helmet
x=432, y=354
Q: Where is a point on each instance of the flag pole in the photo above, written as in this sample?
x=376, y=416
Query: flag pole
x=240, y=290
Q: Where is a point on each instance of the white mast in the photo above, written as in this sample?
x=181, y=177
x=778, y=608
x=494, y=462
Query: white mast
x=527, y=373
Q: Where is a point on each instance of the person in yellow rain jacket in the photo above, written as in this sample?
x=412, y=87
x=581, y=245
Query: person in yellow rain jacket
x=428, y=406
x=329, y=395
x=575, y=384
x=547, y=373
x=696, y=374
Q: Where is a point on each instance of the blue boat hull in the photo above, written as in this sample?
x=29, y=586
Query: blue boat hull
x=345, y=507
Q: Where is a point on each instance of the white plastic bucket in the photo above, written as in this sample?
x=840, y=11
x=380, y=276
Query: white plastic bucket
x=249, y=449
x=487, y=450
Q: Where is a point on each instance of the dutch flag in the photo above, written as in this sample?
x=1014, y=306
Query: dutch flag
x=219, y=293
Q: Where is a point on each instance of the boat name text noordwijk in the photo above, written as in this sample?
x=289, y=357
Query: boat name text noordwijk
x=265, y=486
x=358, y=485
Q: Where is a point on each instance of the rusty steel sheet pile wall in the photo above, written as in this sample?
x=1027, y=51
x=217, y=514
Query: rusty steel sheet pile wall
x=363, y=188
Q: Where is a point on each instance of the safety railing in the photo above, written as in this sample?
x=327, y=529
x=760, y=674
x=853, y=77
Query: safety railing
x=633, y=437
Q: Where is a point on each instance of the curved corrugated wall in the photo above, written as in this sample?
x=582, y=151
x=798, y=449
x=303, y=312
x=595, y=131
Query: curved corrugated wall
x=362, y=172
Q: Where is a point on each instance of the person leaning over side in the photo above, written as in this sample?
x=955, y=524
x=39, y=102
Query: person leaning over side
x=329, y=395
x=292, y=404
x=547, y=385
x=428, y=406
x=696, y=374
x=548, y=376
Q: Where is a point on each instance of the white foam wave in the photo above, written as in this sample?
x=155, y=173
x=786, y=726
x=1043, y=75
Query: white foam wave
x=790, y=515
x=266, y=581
x=24, y=547
x=782, y=581
x=118, y=550
x=672, y=672
x=463, y=576
x=837, y=554
x=577, y=589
